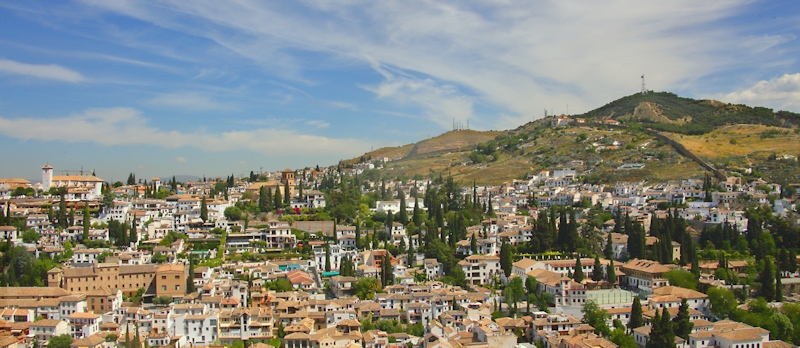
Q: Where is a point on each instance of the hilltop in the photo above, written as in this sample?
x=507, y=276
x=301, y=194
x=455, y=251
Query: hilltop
x=654, y=136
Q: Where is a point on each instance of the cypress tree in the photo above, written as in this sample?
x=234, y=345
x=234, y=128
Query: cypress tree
x=778, y=286
x=682, y=324
x=411, y=255
x=403, y=214
x=358, y=234
x=767, y=280
x=578, y=275
x=505, y=258
x=278, y=201
x=656, y=332
x=327, y=258
x=597, y=272
x=473, y=244
x=263, y=203
x=203, y=210
x=416, y=217
x=668, y=333
x=86, y=222
x=608, y=250
x=637, y=319
x=287, y=194
x=611, y=274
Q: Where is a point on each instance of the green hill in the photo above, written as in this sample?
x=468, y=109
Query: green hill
x=701, y=129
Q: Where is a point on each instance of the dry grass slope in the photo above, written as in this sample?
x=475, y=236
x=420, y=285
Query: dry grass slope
x=741, y=140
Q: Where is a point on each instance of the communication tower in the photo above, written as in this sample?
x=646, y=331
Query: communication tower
x=644, y=89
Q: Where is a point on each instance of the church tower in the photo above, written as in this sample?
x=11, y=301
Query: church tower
x=47, y=177
x=287, y=178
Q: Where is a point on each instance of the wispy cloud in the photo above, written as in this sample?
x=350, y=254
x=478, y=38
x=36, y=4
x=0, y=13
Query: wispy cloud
x=318, y=123
x=194, y=101
x=518, y=57
x=50, y=72
x=126, y=126
x=180, y=159
x=782, y=93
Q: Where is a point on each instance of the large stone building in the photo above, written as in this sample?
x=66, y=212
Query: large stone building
x=126, y=278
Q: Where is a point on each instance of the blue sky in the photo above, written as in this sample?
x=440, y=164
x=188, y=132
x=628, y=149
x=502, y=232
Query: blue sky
x=210, y=88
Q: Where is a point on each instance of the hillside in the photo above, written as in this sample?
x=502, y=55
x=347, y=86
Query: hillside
x=453, y=141
x=723, y=136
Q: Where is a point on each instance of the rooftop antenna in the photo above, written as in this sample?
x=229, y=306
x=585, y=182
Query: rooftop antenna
x=644, y=89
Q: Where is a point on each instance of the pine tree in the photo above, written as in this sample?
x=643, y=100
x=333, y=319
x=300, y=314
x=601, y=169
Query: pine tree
x=597, y=272
x=682, y=323
x=578, y=275
x=203, y=210
x=637, y=318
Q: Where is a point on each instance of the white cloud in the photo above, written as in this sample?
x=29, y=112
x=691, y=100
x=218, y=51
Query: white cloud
x=126, y=126
x=51, y=72
x=514, y=57
x=192, y=101
x=441, y=104
x=782, y=93
x=180, y=159
x=318, y=123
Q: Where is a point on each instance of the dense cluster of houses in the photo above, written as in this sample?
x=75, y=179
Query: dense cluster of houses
x=86, y=298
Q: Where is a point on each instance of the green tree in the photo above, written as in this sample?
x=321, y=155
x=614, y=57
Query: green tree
x=365, y=288
x=514, y=292
x=767, y=280
x=608, y=250
x=61, y=341
x=578, y=275
x=682, y=323
x=263, y=199
x=681, y=278
x=233, y=213
x=637, y=319
x=403, y=214
x=87, y=221
x=722, y=301
x=622, y=339
x=597, y=272
x=596, y=317
x=327, y=258
x=30, y=236
x=611, y=274
x=473, y=245
x=505, y=258
x=203, y=210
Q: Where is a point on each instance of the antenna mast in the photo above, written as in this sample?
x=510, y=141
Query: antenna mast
x=644, y=89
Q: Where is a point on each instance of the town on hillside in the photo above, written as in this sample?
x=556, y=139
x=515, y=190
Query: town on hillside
x=349, y=256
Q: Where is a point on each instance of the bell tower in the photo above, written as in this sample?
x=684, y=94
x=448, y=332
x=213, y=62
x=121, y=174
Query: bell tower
x=47, y=177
